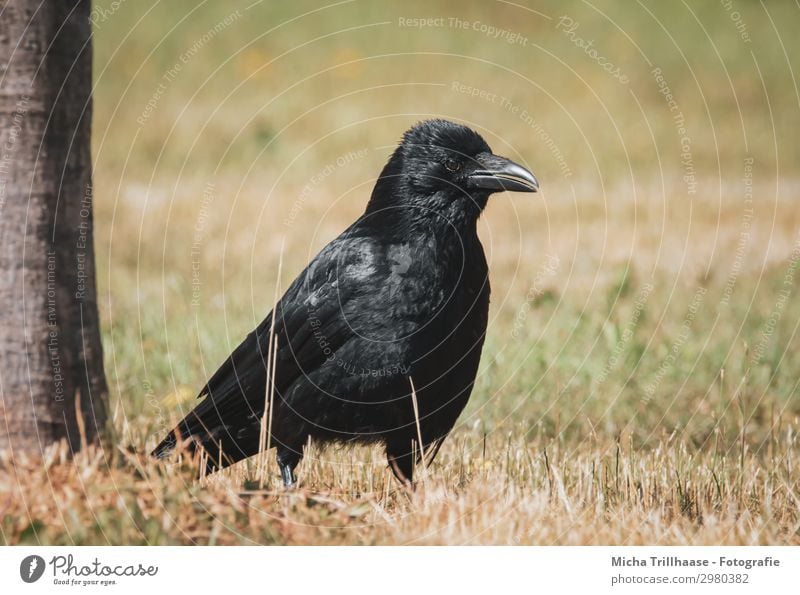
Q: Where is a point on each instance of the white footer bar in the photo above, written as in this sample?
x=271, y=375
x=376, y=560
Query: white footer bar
x=406, y=570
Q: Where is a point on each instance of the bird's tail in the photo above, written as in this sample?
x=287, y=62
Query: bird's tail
x=226, y=425
x=166, y=446
x=223, y=436
x=193, y=435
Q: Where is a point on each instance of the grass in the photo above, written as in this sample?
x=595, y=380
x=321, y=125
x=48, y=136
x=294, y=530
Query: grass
x=639, y=383
x=515, y=489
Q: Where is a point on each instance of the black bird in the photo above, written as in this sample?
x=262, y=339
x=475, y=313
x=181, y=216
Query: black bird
x=401, y=296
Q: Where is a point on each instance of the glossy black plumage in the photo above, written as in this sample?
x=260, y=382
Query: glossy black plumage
x=402, y=294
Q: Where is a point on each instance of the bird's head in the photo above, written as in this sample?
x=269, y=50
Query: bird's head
x=447, y=168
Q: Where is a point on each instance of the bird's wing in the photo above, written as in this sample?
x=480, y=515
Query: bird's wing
x=310, y=325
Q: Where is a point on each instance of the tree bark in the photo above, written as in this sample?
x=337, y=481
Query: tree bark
x=52, y=385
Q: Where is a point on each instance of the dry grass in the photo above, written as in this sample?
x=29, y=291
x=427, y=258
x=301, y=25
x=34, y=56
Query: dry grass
x=639, y=382
x=522, y=492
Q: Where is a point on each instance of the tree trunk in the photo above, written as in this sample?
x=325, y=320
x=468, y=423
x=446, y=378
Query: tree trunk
x=52, y=385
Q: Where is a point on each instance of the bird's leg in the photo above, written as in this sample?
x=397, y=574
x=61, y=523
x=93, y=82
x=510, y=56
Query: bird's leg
x=402, y=465
x=288, y=459
x=287, y=474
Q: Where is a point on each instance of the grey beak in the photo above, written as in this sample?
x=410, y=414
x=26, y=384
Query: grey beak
x=498, y=173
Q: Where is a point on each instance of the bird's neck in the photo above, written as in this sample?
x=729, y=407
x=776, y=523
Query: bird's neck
x=397, y=204
x=396, y=208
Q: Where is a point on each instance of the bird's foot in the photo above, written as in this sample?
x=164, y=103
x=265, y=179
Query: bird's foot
x=287, y=475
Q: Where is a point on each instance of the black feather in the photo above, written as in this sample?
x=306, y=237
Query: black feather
x=402, y=294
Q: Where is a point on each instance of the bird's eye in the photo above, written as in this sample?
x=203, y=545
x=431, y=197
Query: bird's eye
x=452, y=165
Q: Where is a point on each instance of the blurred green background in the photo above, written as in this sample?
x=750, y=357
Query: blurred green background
x=229, y=137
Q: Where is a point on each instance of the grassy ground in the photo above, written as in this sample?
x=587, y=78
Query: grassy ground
x=640, y=378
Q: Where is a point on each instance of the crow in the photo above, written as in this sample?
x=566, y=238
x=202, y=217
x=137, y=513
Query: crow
x=378, y=340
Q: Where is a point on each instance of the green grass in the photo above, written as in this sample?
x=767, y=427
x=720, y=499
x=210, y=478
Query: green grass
x=644, y=390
